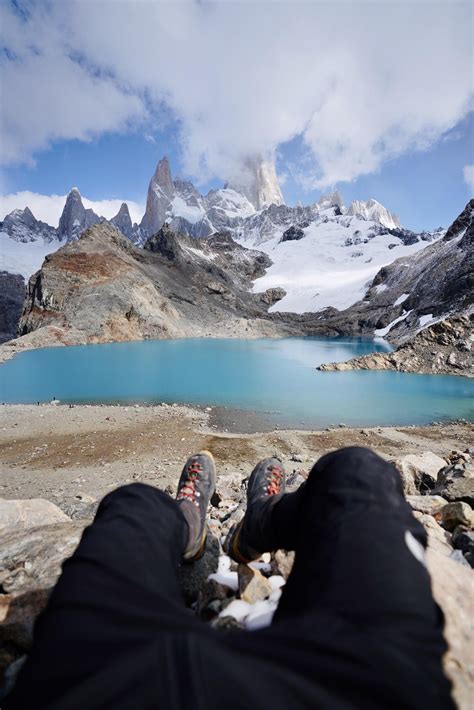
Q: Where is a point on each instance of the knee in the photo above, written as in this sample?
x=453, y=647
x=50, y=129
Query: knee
x=129, y=495
x=355, y=466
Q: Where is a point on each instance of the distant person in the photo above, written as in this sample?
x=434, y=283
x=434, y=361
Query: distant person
x=356, y=627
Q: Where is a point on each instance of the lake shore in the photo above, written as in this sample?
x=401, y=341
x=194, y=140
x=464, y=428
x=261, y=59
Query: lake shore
x=61, y=452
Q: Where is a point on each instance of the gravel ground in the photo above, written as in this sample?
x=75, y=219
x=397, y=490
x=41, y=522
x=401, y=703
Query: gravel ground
x=56, y=451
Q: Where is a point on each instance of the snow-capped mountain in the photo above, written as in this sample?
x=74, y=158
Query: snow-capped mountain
x=328, y=258
x=323, y=254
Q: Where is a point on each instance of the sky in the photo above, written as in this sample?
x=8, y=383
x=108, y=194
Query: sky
x=372, y=97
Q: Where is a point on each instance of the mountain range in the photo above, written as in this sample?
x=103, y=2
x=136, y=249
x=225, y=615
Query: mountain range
x=351, y=269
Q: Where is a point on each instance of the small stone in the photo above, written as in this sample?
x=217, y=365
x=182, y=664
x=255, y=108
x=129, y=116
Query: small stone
x=227, y=623
x=454, y=514
x=253, y=586
x=282, y=563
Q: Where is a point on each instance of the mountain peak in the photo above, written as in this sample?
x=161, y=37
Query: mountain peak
x=259, y=183
x=123, y=221
x=331, y=199
x=374, y=211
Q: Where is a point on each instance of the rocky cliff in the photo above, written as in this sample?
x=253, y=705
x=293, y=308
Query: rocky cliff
x=101, y=288
x=444, y=348
x=12, y=295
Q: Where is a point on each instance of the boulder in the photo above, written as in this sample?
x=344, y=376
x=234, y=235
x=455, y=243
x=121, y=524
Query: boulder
x=418, y=471
x=454, y=514
x=16, y=515
x=431, y=505
x=453, y=589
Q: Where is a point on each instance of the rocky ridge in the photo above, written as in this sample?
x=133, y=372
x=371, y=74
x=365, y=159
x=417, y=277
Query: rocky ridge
x=101, y=288
x=38, y=536
x=443, y=348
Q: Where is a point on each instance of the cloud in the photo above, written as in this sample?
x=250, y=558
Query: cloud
x=48, y=208
x=360, y=83
x=468, y=173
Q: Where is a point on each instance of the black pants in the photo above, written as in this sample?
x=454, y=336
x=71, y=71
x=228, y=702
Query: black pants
x=357, y=626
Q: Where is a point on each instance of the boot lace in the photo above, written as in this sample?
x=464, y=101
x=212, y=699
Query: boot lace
x=274, y=482
x=188, y=489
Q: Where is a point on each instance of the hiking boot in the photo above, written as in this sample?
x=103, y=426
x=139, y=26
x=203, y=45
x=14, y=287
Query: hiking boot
x=265, y=487
x=195, y=488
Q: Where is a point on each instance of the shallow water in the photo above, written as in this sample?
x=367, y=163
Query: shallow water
x=274, y=377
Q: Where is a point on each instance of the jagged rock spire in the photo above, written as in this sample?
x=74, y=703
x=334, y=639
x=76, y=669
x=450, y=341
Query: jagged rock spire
x=161, y=191
x=75, y=218
x=123, y=221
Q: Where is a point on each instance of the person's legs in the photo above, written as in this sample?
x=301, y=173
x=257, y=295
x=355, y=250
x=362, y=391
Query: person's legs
x=356, y=617
x=359, y=550
x=116, y=612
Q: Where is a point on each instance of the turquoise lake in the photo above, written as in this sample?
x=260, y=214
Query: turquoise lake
x=276, y=378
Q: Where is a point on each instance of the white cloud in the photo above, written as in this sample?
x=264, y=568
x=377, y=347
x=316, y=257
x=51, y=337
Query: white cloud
x=48, y=208
x=361, y=82
x=469, y=176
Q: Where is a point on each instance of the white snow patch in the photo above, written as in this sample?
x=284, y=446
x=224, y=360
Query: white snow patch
x=381, y=332
x=380, y=288
x=228, y=579
x=424, y=320
x=318, y=270
x=401, y=299
x=180, y=208
x=25, y=259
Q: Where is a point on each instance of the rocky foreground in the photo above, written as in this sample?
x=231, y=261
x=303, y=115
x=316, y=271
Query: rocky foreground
x=59, y=461
x=444, y=348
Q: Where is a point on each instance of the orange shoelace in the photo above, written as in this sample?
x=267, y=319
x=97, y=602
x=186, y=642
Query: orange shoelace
x=188, y=491
x=274, y=483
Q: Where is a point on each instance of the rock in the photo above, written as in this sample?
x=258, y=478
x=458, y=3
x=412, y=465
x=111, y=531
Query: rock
x=193, y=576
x=292, y=234
x=454, y=514
x=12, y=295
x=211, y=591
x=282, y=563
x=30, y=564
x=438, y=538
x=456, y=481
x=463, y=539
x=460, y=490
x=31, y=559
x=253, y=586
x=418, y=471
x=426, y=504
x=227, y=623
x=453, y=589
x=272, y=295
x=18, y=515
x=81, y=507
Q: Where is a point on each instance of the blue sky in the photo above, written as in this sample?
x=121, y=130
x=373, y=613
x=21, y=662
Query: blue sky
x=96, y=98
x=426, y=188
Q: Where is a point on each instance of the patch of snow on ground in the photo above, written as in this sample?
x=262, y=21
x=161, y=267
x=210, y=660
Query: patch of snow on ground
x=319, y=270
x=380, y=288
x=424, y=320
x=382, y=332
x=254, y=616
x=401, y=299
x=25, y=259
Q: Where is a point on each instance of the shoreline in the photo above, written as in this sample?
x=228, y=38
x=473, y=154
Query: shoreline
x=60, y=452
